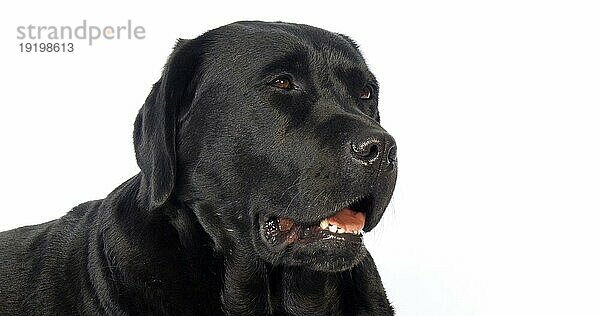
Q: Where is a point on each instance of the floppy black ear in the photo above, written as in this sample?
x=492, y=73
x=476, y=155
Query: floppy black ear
x=156, y=123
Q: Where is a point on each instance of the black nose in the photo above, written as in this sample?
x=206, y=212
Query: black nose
x=375, y=150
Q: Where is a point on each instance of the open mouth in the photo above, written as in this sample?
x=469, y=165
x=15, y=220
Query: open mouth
x=344, y=225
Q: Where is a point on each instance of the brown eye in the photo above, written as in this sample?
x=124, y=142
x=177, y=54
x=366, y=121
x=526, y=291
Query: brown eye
x=282, y=83
x=365, y=93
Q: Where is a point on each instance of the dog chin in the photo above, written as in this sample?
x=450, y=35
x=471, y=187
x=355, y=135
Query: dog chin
x=329, y=257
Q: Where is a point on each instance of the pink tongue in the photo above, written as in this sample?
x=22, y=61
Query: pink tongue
x=348, y=219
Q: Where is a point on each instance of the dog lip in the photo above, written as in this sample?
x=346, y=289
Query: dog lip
x=344, y=221
x=350, y=204
x=280, y=232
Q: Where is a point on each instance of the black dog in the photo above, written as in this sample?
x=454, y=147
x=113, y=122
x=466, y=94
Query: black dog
x=262, y=160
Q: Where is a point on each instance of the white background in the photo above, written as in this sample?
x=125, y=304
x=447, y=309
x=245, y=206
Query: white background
x=495, y=106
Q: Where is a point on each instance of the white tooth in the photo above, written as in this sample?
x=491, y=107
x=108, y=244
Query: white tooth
x=341, y=230
x=355, y=232
x=324, y=223
x=333, y=228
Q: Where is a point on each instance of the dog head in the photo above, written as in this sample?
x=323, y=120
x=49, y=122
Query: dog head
x=270, y=133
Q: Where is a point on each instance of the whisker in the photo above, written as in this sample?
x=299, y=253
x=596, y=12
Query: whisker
x=294, y=183
x=315, y=199
x=289, y=204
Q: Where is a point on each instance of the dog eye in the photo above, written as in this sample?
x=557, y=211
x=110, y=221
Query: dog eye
x=283, y=83
x=365, y=93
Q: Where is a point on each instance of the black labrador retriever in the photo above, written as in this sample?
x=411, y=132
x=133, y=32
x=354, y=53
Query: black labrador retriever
x=262, y=163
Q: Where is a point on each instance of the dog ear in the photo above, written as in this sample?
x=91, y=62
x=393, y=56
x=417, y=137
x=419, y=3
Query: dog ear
x=155, y=128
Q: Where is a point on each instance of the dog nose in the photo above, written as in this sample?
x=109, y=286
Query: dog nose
x=375, y=149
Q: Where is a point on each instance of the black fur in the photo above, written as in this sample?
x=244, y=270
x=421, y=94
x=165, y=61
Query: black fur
x=220, y=149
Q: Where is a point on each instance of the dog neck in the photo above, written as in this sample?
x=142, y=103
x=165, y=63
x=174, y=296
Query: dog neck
x=165, y=262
